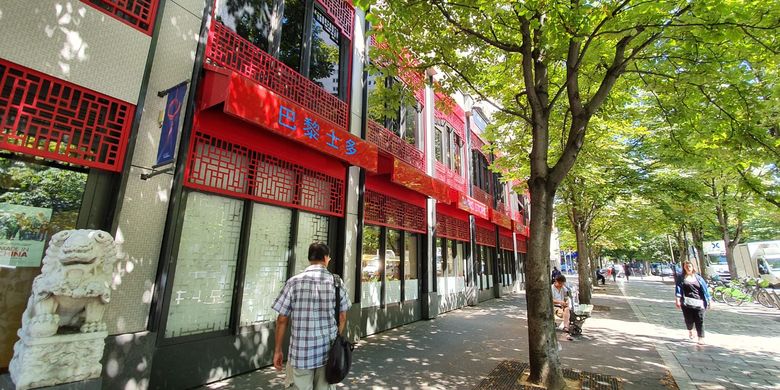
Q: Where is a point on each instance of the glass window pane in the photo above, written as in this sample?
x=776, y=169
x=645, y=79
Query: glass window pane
x=206, y=265
x=251, y=19
x=376, y=102
x=456, y=157
x=411, y=124
x=371, y=266
x=254, y=20
x=36, y=202
x=292, y=33
x=325, y=53
x=410, y=266
x=438, y=150
x=266, y=262
x=393, y=266
x=311, y=228
x=451, y=257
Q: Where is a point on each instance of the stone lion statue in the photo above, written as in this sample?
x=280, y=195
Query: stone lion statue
x=74, y=285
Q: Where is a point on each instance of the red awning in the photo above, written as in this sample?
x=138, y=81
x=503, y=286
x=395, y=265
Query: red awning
x=253, y=103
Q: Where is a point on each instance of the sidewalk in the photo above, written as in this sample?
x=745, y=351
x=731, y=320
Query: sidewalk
x=741, y=342
x=458, y=349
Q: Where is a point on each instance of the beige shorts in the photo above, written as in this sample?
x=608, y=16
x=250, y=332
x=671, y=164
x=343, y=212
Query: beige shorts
x=306, y=379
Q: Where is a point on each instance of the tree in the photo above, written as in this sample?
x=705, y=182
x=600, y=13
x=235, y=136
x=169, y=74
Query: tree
x=550, y=66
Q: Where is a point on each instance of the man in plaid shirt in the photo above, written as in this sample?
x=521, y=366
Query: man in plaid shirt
x=309, y=299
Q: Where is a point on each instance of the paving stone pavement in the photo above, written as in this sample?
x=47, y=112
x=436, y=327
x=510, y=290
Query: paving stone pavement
x=741, y=348
x=635, y=334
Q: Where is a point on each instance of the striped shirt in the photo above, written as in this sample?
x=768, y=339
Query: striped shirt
x=309, y=300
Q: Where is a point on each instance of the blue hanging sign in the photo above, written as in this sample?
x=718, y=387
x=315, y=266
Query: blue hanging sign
x=170, y=125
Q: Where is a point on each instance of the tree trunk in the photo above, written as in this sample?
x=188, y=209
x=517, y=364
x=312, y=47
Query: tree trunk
x=682, y=253
x=545, y=365
x=697, y=232
x=583, y=265
x=723, y=221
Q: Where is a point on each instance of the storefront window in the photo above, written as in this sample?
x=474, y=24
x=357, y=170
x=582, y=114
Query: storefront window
x=325, y=58
x=393, y=266
x=266, y=263
x=202, y=293
x=410, y=266
x=311, y=228
x=371, y=266
x=36, y=201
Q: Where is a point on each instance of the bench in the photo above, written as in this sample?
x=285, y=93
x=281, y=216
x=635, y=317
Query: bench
x=578, y=317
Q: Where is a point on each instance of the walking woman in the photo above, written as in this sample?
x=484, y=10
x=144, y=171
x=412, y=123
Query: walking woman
x=693, y=298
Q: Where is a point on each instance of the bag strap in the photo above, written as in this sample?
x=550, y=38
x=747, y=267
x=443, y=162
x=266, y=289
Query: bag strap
x=338, y=300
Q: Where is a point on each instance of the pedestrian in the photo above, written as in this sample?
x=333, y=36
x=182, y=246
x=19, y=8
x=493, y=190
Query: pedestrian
x=554, y=274
x=600, y=277
x=561, y=302
x=693, y=298
x=614, y=273
x=626, y=271
x=308, y=300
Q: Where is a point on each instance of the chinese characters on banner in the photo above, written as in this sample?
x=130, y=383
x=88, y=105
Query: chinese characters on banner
x=23, y=234
x=257, y=104
x=289, y=119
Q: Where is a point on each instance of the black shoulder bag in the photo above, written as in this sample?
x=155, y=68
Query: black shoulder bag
x=340, y=354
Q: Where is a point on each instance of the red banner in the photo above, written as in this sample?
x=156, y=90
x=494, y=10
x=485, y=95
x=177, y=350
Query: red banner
x=254, y=103
x=473, y=206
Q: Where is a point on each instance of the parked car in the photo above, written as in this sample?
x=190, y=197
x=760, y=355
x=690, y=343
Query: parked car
x=665, y=271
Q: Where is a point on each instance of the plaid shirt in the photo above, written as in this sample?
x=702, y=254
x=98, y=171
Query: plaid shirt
x=308, y=299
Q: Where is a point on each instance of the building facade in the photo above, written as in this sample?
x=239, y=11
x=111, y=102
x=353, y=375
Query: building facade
x=216, y=140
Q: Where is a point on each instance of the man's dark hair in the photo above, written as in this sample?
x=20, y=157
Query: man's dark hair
x=318, y=251
x=560, y=278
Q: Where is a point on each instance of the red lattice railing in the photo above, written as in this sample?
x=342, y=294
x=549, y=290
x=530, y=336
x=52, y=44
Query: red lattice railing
x=228, y=49
x=138, y=14
x=228, y=168
x=451, y=227
x=477, y=143
x=383, y=210
x=486, y=236
x=506, y=242
x=522, y=245
x=342, y=13
x=47, y=117
x=482, y=196
x=453, y=179
x=387, y=141
x=454, y=115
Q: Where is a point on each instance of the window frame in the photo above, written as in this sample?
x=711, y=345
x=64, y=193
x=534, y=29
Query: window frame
x=234, y=326
x=303, y=67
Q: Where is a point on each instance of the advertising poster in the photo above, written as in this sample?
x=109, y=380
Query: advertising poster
x=23, y=234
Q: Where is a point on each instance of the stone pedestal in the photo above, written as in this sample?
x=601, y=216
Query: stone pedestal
x=46, y=361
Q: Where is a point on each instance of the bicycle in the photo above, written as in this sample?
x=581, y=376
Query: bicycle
x=747, y=290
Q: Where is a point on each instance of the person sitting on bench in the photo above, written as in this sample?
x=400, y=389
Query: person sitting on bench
x=560, y=297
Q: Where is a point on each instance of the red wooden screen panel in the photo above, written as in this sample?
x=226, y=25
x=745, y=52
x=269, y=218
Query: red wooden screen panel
x=51, y=118
x=138, y=14
x=342, y=13
x=228, y=49
x=506, y=242
x=477, y=144
x=454, y=115
x=384, y=210
x=387, y=141
x=522, y=245
x=452, y=178
x=482, y=195
x=486, y=236
x=232, y=169
x=451, y=227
